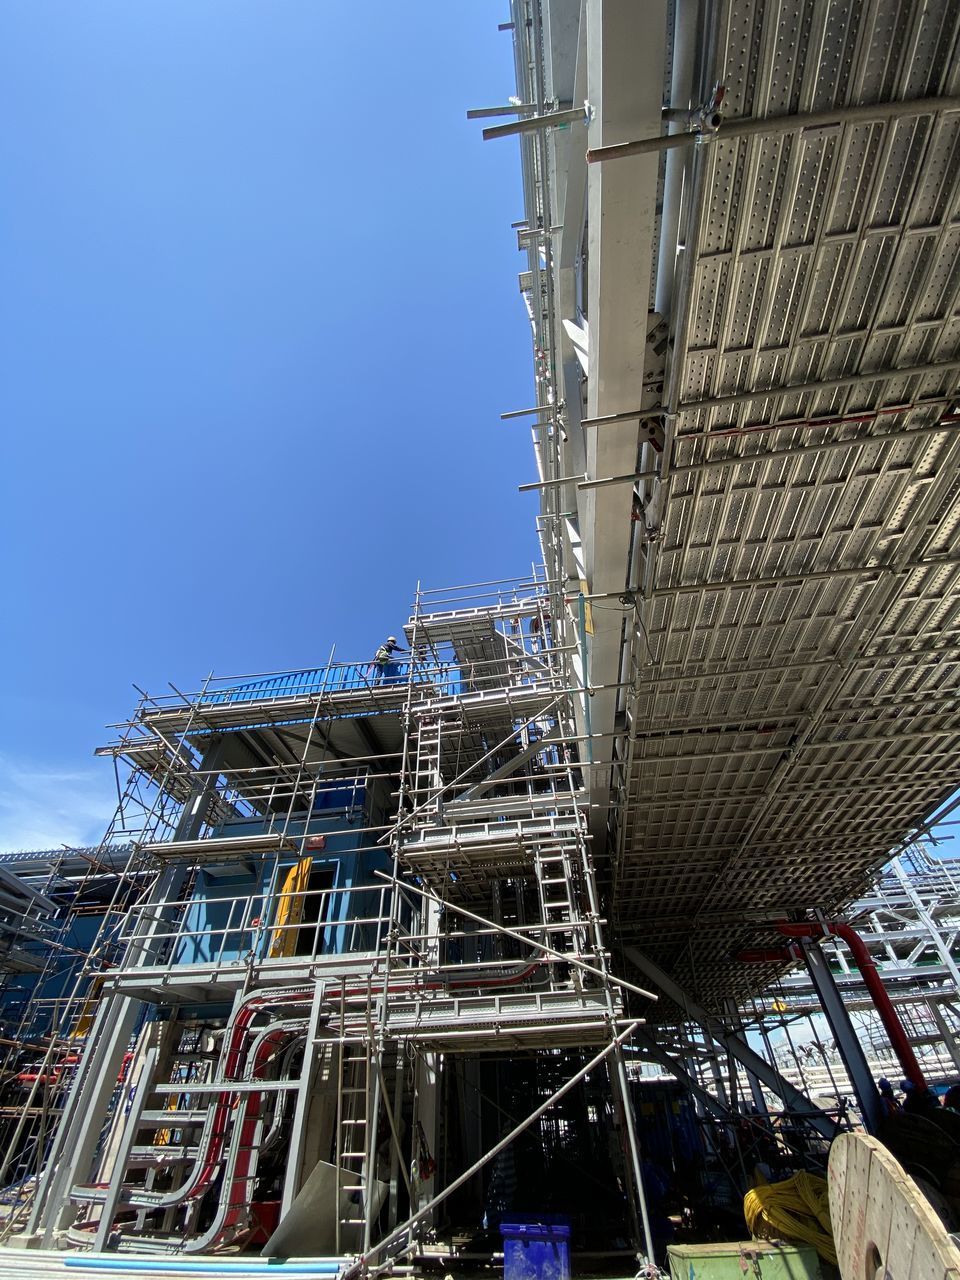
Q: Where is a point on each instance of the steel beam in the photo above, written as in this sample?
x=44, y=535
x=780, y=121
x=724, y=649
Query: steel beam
x=947, y=1036
x=137, y=1092
x=768, y=393
x=772, y=455
x=645, y=1041
x=797, y=579
x=765, y=1072
x=794, y=122
x=844, y=1033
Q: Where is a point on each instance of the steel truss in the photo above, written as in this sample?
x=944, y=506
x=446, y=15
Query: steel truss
x=909, y=919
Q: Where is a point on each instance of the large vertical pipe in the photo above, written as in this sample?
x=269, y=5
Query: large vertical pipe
x=872, y=981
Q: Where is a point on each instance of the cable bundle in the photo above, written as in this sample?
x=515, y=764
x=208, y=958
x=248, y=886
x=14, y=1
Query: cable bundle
x=796, y=1210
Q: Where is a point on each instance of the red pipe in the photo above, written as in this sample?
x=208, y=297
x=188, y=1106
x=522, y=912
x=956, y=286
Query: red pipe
x=235, y=1056
x=871, y=978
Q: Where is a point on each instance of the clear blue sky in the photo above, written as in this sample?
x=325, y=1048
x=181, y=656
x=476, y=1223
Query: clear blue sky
x=258, y=320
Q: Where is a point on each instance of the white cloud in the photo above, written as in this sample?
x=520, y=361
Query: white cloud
x=42, y=807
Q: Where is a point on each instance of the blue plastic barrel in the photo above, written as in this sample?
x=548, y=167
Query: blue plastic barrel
x=536, y=1250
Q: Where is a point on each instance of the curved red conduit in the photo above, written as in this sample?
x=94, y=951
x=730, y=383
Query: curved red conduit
x=203, y=1176
x=238, y=1191
x=242, y=1022
x=238, y=1203
x=868, y=971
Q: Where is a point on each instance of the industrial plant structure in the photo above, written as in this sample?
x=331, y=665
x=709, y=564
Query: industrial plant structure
x=378, y=954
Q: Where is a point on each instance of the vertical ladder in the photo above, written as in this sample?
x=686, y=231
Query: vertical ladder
x=354, y=1083
x=555, y=872
x=427, y=777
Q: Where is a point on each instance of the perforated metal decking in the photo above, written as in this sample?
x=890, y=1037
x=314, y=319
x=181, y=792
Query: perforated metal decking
x=786, y=700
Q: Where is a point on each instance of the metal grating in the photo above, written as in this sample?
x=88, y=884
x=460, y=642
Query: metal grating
x=802, y=713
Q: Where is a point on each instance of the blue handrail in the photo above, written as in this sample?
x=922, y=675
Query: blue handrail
x=338, y=677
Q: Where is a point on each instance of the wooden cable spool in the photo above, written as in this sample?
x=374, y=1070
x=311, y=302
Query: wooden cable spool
x=883, y=1226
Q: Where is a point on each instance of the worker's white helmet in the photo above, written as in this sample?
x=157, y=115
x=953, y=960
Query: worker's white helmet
x=391, y=639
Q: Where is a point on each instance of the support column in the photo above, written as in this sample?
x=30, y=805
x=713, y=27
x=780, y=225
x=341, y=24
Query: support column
x=425, y=1119
x=138, y=1091
x=621, y=1093
x=308, y=1072
x=756, y=1089
x=844, y=1033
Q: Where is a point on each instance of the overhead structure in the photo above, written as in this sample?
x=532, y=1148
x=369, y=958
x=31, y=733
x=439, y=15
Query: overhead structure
x=752, y=475
x=383, y=950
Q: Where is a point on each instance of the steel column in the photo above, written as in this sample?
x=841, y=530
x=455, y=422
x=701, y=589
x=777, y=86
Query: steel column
x=844, y=1033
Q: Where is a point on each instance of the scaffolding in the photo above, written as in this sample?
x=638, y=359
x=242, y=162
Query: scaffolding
x=351, y=949
x=347, y=892
x=363, y=930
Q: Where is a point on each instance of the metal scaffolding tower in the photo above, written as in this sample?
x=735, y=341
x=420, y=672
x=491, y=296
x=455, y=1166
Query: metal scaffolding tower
x=345, y=888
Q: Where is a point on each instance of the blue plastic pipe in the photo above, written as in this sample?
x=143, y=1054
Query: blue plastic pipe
x=131, y=1264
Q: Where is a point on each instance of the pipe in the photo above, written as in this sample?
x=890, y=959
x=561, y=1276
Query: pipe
x=738, y=128
x=769, y=393
x=215, y=1130
x=530, y=124
x=872, y=981
x=194, y=1266
x=585, y=661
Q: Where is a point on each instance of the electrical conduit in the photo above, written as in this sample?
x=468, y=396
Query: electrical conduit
x=215, y=1131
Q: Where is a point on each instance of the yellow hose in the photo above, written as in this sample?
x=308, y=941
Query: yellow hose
x=797, y=1210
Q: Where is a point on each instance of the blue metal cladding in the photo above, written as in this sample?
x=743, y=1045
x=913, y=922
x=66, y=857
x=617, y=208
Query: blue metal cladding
x=349, y=795
x=232, y=913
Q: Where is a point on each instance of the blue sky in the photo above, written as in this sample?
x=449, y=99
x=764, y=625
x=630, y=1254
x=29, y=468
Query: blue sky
x=258, y=320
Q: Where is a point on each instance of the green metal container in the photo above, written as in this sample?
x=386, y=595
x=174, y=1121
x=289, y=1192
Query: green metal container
x=743, y=1260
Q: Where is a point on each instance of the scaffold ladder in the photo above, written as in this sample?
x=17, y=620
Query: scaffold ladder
x=555, y=887
x=427, y=777
x=354, y=1085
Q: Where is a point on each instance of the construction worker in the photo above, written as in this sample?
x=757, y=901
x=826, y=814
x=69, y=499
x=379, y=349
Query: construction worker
x=889, y=1106
x=383, y=658
x=918, y=1101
